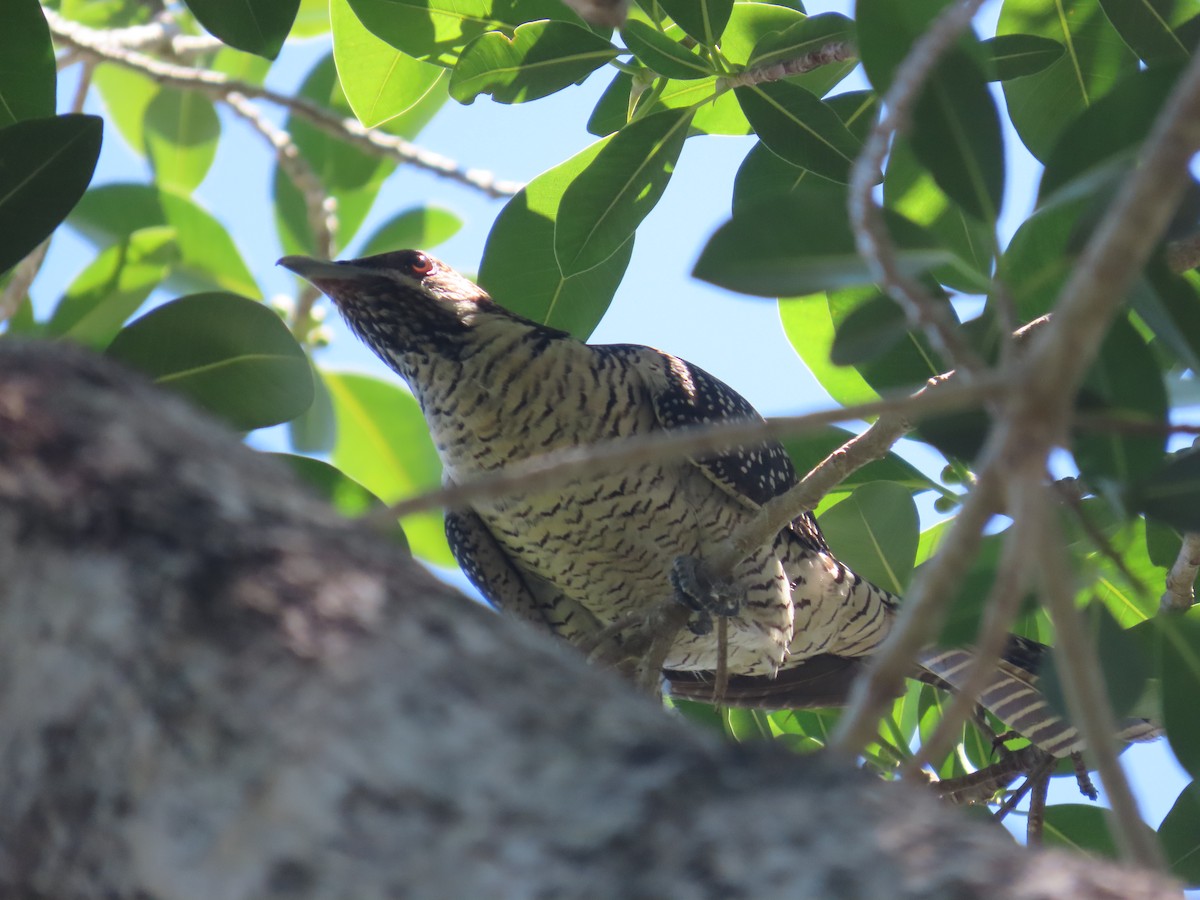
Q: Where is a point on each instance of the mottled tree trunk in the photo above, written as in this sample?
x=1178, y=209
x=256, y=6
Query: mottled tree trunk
x=211, y=686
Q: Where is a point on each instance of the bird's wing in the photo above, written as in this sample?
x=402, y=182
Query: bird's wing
x=505, y=585
x=686, y=396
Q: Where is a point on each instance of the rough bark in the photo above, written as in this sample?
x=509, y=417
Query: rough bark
x=213, y=686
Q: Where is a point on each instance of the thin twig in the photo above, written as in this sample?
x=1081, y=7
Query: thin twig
x=1010, y=803
x=92, y=43
x=1183, y=254
x=835, y=51
x=777, y=514
x=1000, y=611
x=1180, y=594
x=918, y=620
x=320, y=208
x=874, y=242
x=1080, y=673
x=1036, y=818
x=549, y=471
x=23, y=275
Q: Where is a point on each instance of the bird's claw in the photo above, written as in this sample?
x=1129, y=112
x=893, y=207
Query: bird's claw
x=702, y=594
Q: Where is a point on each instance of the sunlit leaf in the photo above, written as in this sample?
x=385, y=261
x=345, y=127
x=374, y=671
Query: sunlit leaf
x=660, y=54
x=606, y=202
x=383, y=443
x=704, y=20
x=422, y=227
x=539, y=59
x=339, y=490
x=380, y=82
x=1041, y=105
x=521, y=270
x=1014, y=55
x=106, y=293
x=874, y=531
x=797, y=126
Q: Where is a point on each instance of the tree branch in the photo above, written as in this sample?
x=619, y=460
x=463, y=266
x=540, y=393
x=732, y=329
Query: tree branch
x=551, y=470
x=1180, y=594
x=92, y=44
x=835, y=51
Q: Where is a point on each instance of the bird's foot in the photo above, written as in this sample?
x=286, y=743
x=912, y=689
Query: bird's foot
x=704, y=595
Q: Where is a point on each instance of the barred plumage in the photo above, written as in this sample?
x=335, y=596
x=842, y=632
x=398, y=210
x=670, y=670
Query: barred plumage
x=496, y=388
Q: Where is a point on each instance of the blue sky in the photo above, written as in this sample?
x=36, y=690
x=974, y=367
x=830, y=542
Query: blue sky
x=737, y=338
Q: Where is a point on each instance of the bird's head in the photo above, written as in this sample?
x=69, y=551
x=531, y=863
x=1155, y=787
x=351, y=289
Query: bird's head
x=407, y=305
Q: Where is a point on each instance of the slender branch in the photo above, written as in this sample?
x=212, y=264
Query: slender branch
x=92, y=43
x=22, y=279
x=1180, y=594
x=1043, y=770
x=1183, y=253
x=835, y=51
x=320, y=208
x=918, y=620
x=1000, y=611
x=1080, y=672
x=777, y=514
x=871, y=235
x=551, y=470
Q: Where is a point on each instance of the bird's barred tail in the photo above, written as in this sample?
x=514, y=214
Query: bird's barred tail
x=1011, y=694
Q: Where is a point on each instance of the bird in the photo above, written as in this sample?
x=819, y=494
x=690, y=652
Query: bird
x=497, y=389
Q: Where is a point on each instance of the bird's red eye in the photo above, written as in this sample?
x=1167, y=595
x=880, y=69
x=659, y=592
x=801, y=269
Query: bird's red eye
x=421, y=265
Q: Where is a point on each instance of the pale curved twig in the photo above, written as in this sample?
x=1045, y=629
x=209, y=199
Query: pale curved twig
x=870, y=232
x=92, y=43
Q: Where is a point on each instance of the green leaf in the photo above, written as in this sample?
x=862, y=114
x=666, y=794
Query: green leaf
x=421, y=227
x=660, y=54
x=1179, y=639
x=352, y=176
x=749, y=23
x=1043, y=104
x=538, y=60
x=764, y=174
x=607, y=201
x=713, y=112
x=612, y=109
x=785, y=249
x=207, y=254
x=1147, y=27
x=520, y=268
x=800, y=128
x=110, y=290
x=27, y=72
x=47, y=164
x=907, y=362
x=1015, y=55
x=704, y=20
x=809, y=328
x=1122, y=662
x=336, y=488
x=910, y=190
x=1039, y=257
x=1124, y=384
x=127, y=95
x=256, y=26
x=874, y=532
x=1109, y=131
x=806, y=36
x=870, y=330
x=956, y=128
x=438, y=30
x=181, y=131
x=229, y=355
x=1079, y=827
x=383, y=443
x=316, y=430
x=1172, y=494
x=208, y=257
x=1180, y=836
x=380, y=82
x=1169, y=304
